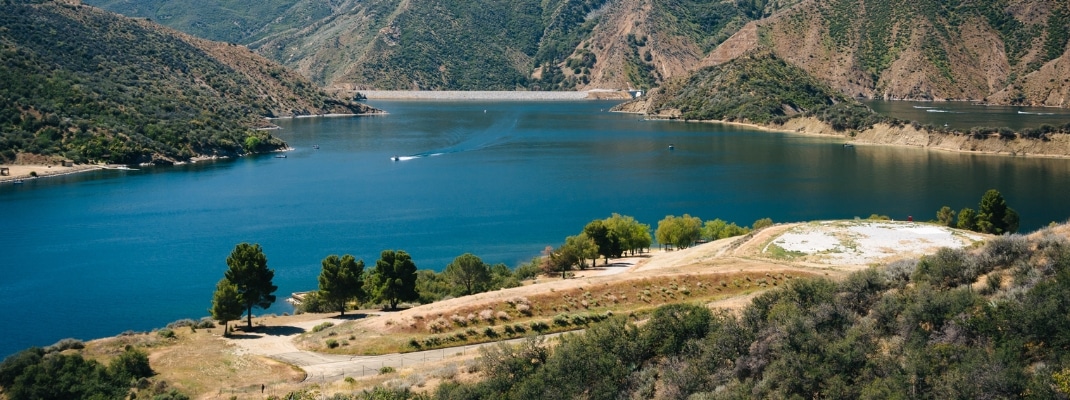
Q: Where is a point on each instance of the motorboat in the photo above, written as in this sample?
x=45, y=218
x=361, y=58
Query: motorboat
x=280, y=156
x=672, y=146
x=396, y=158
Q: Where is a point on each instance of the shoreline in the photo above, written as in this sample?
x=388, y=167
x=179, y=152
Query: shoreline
x=594, y=94
x=333, y=115
x=804, y=130
x=21, y=172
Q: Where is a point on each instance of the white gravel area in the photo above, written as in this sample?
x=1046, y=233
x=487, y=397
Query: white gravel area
x=864, y=242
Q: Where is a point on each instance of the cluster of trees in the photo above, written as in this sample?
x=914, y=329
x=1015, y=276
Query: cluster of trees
x=991, y=322
x=992, y=216
x=247, y=282
x=618, y=235
x=53, y=373
x=609, y=238
x=683, y=232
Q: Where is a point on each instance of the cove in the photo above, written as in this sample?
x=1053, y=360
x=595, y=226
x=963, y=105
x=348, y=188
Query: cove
x=95, y=254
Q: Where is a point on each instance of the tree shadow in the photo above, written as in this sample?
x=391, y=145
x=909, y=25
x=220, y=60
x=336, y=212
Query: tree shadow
x=351, y=317
x=246, y=333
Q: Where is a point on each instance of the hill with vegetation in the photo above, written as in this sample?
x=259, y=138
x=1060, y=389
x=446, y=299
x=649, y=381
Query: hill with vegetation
x=1000, y=51
x=469, y=45
x=91, y=86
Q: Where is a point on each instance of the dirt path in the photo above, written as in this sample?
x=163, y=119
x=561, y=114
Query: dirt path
x=277, y=342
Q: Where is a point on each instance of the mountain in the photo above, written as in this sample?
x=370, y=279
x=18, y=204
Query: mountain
x=477, y=44
x=93, y=86
x=1002, y=51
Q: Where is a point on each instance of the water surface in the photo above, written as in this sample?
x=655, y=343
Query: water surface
x=95, y=254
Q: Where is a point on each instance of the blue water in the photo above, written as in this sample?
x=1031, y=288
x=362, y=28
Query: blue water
x=95, y=254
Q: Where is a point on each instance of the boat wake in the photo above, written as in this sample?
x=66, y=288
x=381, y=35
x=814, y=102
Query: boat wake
x=933, y=110
x=1034, y=113
x=491, y=136
x=923, y=107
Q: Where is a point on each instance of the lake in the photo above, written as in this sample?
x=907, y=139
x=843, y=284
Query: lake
x=95, y=254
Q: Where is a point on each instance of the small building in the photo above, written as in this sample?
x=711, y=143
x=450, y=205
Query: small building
x=68, y=163
x=4, y=171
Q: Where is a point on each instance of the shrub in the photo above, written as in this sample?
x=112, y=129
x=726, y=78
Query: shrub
x=459, y=320
x=166, y=333
x=438, y=325
x=65, y=344
x=321, y=327
x=490, y=332
x=487, y=315
x=331, y=343
x=561, y=320
x=578, y=319
x=539, y=326
x=181, y=323
x=386, y=370
x=524, y=309
x=502, y=315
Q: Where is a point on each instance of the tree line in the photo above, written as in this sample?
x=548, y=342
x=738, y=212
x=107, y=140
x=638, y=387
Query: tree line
x=395, y=279
x=993, y=216
x=343, y=280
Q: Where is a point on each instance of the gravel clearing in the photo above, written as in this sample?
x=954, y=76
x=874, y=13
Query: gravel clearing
x=865, y=242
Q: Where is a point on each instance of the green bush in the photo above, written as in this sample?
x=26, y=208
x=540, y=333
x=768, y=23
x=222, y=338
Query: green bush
x=321, y=327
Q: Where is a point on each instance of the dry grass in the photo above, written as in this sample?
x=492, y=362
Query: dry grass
x=202, y=364
x=578, y=306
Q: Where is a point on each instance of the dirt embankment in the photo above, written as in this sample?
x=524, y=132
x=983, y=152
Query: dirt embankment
x=1055, y=146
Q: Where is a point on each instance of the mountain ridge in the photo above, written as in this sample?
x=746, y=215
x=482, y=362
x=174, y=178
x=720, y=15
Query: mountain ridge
x=999, y=51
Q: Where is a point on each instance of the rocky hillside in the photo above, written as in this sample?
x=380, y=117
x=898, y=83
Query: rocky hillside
x=1002, y=51
x=93, y=86
x=472, y=44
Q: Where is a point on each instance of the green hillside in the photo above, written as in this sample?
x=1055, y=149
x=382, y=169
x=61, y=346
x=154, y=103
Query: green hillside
x=231, y=21
x=93, y=86
x=759, y=88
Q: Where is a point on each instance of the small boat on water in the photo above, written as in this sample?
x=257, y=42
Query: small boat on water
x=316, y=147
x=672, y=146
x=848, y=145
x=280, y=156
x=396, y=158
x=17, y=182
